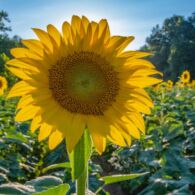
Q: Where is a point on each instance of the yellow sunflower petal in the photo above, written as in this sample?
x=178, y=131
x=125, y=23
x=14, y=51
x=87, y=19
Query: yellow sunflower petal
x=134, y=54
x=55, y=139
x=44, y=38
x=146, y=72
x=138, y=120
x=27, y=113
x=23, y=52
x=140, y=106
x=141, y=99
x=85, y=22
x=22, y=64
x=104, y=30
x=137, y=63
x=19, y=89
x=34, y=45
x=116, y=137
x=95, y=32
x=115, y=42
x=67, y=35
x=131, y=127
x=126, y=137
x=18, y=72
x=35, y=124
x=125, y=44
x=75, y=23
x=54, y=33
x=88, y=37
x=24, y=101
x=44, y=131
x=99, y=142
x=143, y=82
x=141, y=92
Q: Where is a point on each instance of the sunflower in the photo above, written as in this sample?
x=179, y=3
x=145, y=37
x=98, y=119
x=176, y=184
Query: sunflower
x=193, y=84
x=82, y=79
x=3, y=85
x=156, y=87
x=185, y=77
x=169, y=84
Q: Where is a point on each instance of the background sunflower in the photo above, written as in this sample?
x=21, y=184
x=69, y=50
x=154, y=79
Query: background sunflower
x=185, y=77
x=3, y=84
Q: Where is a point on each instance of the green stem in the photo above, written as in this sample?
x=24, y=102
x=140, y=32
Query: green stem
x=79, y=159
x=82, y=182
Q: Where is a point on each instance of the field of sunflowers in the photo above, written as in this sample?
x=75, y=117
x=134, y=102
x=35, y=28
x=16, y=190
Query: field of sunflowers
x=165, y=156
x=81, y=113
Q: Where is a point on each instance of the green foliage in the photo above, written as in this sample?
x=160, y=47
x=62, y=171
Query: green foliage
x=59, y=190
x=45, y=185
x=119, y=178
x=18, y=153
x=6, y=43
x=166, y=152
x=57, y=166
x=22, y=157
x=4, y=18
x=173, y=46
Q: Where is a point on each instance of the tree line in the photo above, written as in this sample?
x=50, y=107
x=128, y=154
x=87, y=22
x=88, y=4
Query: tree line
x=173, y=46
x=6, y=43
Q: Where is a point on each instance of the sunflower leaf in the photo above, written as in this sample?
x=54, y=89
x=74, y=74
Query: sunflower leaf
x=58, y=190
x=80, y=156
x=118, y=178
x=56, y=166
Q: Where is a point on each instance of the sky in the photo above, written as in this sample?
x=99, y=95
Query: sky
x=125, y=17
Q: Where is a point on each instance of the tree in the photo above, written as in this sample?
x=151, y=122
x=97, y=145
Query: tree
x=173, y=46
x=4, y=18
x=6, y=43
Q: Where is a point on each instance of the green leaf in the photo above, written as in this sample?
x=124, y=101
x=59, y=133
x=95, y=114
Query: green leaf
x=173, y=131
x=56, y=166
x=3, y=178
x=4, y=57
x=80, y=156
x=44, y=183
x=118, y=178
x=59, y=190
x=16, y=136
x=14, y=188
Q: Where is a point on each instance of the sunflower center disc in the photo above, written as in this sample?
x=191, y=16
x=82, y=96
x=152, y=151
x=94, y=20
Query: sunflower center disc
x=84, y=83
x=1, y=84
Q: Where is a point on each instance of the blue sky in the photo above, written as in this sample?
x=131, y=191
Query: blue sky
x=126, y=17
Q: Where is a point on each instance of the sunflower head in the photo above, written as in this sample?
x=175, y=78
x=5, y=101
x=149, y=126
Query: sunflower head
x=169, y=84
x=3, y=85
x=193, y=84
x=185, y=77
x=82, y=79
x=156, y=87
